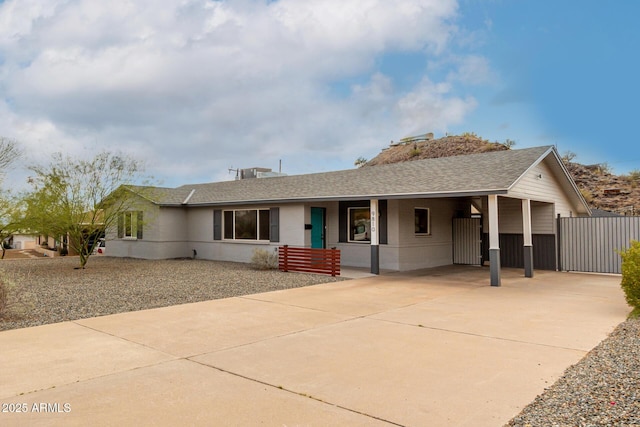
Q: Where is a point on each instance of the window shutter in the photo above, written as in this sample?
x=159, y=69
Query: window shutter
x=217, y=224
x=274, y=224
x=382, y=223
x=139, y=224
x=343, y=221
x=120, y=225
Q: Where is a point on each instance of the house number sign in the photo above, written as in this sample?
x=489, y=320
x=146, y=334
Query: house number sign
x=374, y=222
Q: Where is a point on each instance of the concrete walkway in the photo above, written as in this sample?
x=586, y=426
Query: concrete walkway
x=22, y=254
x=437, y=347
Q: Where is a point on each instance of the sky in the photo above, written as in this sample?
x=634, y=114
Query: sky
x=194, y=88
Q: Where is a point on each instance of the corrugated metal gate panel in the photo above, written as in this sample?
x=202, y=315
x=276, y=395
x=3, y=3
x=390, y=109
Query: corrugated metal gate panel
x=544, y=251
x=512, y=250
x=591, y=244
x=467, y=241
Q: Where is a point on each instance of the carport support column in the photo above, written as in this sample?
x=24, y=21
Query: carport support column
x=494, y=241
x=375, y=245
x=528, y=240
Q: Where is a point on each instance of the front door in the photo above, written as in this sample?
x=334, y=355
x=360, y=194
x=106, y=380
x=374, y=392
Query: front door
x=317, y=228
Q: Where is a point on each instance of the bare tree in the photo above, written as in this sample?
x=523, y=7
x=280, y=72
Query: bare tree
x=9, y=153
x=9, y=219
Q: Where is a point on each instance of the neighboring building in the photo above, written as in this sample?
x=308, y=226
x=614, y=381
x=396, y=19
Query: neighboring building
x=22, y=241
x=400, y=216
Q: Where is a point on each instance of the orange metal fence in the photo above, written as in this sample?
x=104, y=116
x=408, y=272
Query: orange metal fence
x=323, y=261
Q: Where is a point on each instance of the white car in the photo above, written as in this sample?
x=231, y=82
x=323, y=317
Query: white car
x=100, y=248
x=362, y=230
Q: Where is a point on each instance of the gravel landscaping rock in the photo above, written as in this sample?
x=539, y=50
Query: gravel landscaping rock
x=603, y=389
x=55, y=292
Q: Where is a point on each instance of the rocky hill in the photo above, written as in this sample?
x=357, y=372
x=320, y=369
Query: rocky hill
x=600, y=188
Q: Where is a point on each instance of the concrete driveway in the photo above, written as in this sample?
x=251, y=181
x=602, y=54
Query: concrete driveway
x=436, y=347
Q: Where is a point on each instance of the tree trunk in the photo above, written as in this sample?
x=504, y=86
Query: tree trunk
x=83, y=259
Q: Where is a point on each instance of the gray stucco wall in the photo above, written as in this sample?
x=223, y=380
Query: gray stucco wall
x=405, y=250
x=436, y=249
x=200, y=234
x=176, y=232
x=164, y=234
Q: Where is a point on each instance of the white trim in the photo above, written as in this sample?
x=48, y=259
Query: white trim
x=494, y=232
x=133, y=226
x=373, y=220
x=526, y=222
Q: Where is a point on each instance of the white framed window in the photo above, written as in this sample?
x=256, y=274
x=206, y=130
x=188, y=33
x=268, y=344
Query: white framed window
x=130, y=225
x=422, y=218
x=359, y=224
x=246, y=224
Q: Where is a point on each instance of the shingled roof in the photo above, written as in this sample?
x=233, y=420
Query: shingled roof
x=473, y=174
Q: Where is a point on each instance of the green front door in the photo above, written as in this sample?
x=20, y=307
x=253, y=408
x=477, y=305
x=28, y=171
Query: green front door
x=317, y=228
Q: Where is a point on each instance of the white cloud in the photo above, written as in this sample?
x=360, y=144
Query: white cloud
x=429, y=108
x=471, y=69
x=195, y=86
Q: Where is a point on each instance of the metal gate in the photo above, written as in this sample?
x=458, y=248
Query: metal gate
x=591, y=244
x=467, y=241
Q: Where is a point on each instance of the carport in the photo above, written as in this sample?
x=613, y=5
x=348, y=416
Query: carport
x=518, y=203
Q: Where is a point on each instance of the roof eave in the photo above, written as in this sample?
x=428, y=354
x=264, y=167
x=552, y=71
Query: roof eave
x=567, y=174
x=312, y=199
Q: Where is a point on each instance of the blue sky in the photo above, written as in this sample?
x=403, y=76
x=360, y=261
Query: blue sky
x=196, y=87
x=567, y=76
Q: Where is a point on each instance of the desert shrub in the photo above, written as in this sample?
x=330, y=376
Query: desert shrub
x=568, y=156
x=604, y=169
x=631, y=274
x=487, y=147
x=588, y=195
x=14, y=301
x=509, y=143
x=634, y=178
x=360, y=161
x=263, y=259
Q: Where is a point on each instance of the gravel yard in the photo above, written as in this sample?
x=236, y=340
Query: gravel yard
x=56, y=292
x=603, y=389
